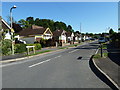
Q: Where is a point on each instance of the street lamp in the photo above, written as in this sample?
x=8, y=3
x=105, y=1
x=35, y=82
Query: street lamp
x=11, y=28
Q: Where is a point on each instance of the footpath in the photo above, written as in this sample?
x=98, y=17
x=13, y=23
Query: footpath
x=110, y=66
x=17, y=57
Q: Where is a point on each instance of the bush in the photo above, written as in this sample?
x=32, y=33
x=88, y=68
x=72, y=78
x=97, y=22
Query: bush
x=20, y=48
x=50, y=42
x=43, y=42
x=37, y=46
x=6, y=47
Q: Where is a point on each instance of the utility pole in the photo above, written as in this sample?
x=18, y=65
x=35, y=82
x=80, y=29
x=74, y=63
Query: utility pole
x=81, y=32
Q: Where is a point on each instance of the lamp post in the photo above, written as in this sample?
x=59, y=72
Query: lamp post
x=11, y=28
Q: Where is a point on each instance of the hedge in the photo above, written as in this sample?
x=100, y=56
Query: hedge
x=6, y=47
x=20, y=48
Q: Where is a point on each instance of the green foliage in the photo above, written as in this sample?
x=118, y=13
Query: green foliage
x=40, y=52
x=37, y=46
x=96, y=56
x=20, y=48
x=43, y=42
x=6, y=47
x=30, y=20
x=96, y=37
x=4, y=33
x=24, y=23
x=111, y=31
x=45, y=23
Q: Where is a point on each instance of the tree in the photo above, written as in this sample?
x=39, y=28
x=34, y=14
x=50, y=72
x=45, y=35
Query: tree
x=69, y=28
x=37, y=21
x=23, y=23
x=118, y=29
x=30, y=20
x=78, y=32
x=91, y=34
x=45, y=23
x=111, y=31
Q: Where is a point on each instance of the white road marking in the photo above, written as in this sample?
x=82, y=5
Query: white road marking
x=57, y=56
x=43, y=61
x=39, y=63
x=73, y=51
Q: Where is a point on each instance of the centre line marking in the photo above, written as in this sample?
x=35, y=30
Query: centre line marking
x=73, y=51
x=39, y=63
x=43, y=62
x=57, y=56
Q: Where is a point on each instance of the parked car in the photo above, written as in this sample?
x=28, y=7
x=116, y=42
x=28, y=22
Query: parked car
x=19, y=41
x=101, y=40
x=92, y=38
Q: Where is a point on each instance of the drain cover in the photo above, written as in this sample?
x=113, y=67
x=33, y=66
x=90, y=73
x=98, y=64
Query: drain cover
x=79, y=58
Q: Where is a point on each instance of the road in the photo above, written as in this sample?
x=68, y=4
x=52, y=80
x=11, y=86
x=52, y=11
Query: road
x=64, y=69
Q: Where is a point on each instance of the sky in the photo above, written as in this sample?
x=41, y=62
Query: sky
x=95, y=17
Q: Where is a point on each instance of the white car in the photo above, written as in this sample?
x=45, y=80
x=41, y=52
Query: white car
x=101, y=40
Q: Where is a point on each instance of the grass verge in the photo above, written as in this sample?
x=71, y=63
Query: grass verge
x=40, y=52
x=98, y=56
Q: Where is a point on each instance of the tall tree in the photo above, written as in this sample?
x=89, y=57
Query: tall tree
x=30, y=20
x=111, y=31
x=37, y=21
x=78, y=32
x=23, y=23
x=69, y=28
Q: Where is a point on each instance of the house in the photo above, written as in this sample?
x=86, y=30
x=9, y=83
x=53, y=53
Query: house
x=60, y=36
x=6, y=29
x=77, y=37
x=70, y=36
x=35, y=33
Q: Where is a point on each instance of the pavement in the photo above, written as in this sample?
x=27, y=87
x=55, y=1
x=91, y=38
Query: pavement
x=68, y=68
x=23, y=55
x=110, y=66
x=7, y=57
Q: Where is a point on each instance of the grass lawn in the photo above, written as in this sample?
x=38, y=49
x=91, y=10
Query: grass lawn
x=97, y=56
x=40, y=52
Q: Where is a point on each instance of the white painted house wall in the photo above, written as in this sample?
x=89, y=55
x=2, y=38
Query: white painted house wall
x=62, y=37
x=47, y=36
x=7, y=36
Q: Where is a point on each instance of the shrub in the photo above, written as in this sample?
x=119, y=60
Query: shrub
x=37, y=46
x=6, y=47
x=20, y=48
x=43, y=42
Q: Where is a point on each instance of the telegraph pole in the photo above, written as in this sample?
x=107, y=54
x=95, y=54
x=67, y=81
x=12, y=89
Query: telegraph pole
x=81, y=32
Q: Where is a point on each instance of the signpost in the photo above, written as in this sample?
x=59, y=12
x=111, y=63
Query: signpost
x=101, y=50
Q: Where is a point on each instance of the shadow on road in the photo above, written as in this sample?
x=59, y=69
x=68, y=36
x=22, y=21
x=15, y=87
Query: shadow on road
x=100, y=75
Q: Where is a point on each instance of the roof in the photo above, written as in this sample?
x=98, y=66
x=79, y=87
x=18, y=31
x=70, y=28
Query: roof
x=57, y=33
x=68, y=34
x=5, y=25
x=32, y=30
x=77, y=35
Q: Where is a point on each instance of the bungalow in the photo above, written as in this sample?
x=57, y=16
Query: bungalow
x=6, y=29
x=60, y=36
x=35, y=33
